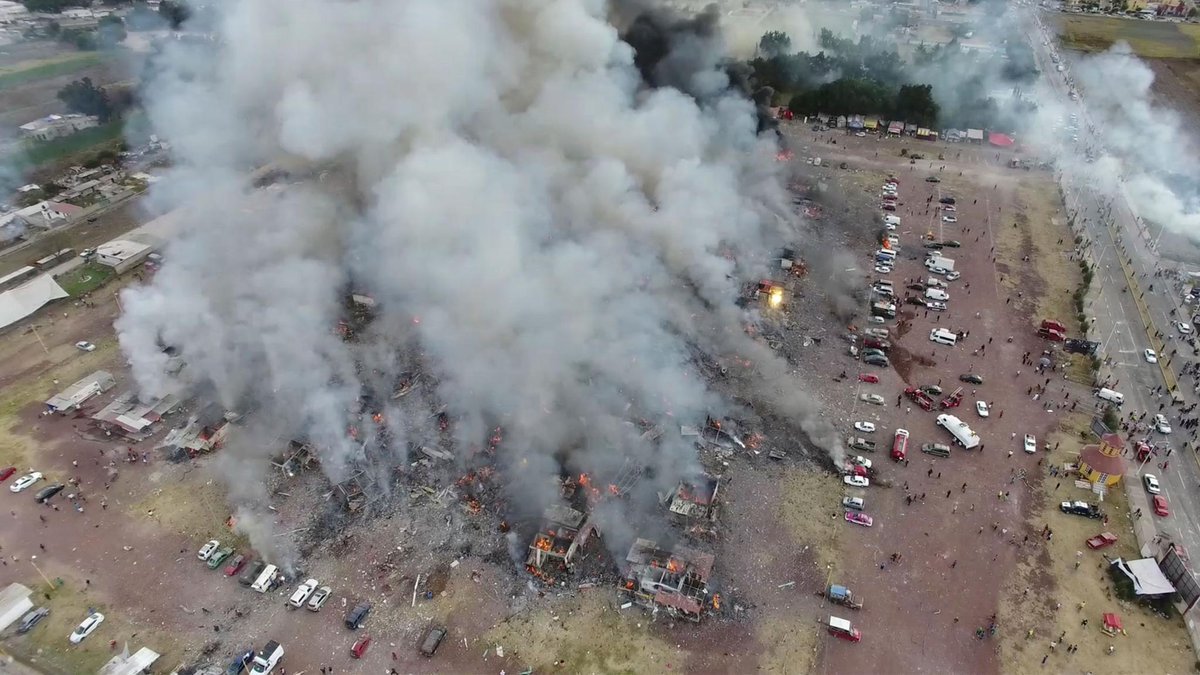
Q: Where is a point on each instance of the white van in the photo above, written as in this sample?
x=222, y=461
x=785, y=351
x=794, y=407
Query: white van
x=1111, y=396
x=891, y=220
x=943, y=337
x=936, y=294
x=263, y=583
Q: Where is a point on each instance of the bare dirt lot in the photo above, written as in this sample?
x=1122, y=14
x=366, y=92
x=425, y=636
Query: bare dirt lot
x=23, y=100
x=957, y=525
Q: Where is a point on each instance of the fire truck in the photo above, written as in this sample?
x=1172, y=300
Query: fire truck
x=900, y=445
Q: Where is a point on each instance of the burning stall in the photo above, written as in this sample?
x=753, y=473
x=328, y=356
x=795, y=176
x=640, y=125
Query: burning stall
x=555, y=546
x=672, y=581
x=130, y=416
x=694, y=505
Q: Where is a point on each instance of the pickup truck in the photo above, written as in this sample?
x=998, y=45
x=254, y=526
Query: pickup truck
x=861, y=444
x=266, y=660
x=1081, y=509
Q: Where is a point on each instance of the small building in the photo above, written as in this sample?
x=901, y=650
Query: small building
x=51, y=127
x=1103, y=463
x=14, y=602
x=975, y=135
x=12, y=11
x=895, y=128
x=204, y=432
x=674, y=581
x=926, y=134
x=75, y=395
x=911, y=129
x=43, y=215
x=554, y=548
x=132, y=417
x=122, y=254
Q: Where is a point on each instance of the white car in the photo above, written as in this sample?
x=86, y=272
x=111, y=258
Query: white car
x=302, y=592
x=935, y=305
x=25, y=481
x=890, y=226
x=865, y=427
x=861, y=134
x=1161, y=425
x=1030, y=444
x=883, y=269
x=1183, y=327
x=949, y=219
x=318, y=598
x=1152, y=485
x=876, y=319
x=87, y=627
x=85, y=346
x=856, y=481
x=873, y=399
x=860, y=461
x=208, y=549
x=1150, y=356
x=981, y=407
x=948, y=208
x=951, y=276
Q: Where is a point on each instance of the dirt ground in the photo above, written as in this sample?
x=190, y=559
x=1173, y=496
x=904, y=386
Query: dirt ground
x=1150, y=39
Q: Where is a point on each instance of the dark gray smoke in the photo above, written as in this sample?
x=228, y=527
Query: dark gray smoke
x=546, y=234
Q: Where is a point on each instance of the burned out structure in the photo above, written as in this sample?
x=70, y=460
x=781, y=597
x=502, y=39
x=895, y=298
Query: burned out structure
x=674, y=581
x=133, y=417
x=693, y=504
x=204, y=432
x=555, y=547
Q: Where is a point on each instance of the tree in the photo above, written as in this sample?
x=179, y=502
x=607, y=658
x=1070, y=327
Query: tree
x=84, y=40
x=111, y=31
x=174, y=12
x=82, y=96
x=774, y=43
x=915, y=104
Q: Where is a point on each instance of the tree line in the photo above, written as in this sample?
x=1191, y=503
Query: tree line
x=868, y=76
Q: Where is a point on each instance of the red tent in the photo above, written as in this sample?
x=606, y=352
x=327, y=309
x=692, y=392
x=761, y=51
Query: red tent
x=1112, y=624
x=1000, y=140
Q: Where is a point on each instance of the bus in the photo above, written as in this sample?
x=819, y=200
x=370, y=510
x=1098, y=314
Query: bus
x=53, y=259
x=900, y=445
x=959, y=430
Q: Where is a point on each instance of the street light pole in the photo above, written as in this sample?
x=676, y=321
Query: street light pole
x=49, y=584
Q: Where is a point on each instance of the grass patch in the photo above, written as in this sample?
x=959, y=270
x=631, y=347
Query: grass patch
x=37, y=153
x=805, y=496
x=86, y=278
x=1148, y=39
x=31, y=71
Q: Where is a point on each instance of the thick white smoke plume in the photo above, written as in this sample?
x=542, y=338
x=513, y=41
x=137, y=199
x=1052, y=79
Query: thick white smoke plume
x=548, y=228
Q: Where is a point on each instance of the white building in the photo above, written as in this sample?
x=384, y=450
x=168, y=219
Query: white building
x=12, y=11
x=56, y=126
x=43, y=215
x=122, y=254
x=75, y=395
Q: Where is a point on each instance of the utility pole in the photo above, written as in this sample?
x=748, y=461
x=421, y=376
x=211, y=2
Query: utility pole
x=39, y=339
x=49, y=584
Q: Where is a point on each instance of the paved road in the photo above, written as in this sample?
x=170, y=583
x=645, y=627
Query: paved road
x=1114, y=233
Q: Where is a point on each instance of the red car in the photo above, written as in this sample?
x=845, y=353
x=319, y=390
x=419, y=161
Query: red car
x=863, y=377
x=876, y=343
x=360, y=647
x=1160, y=506
x=1102, y=540
x=888, y=207
x=235, y=565
x=5, y=474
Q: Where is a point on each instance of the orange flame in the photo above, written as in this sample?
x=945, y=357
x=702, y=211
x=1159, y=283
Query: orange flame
x=613, y=490
x=673, y=567
x=716, y=601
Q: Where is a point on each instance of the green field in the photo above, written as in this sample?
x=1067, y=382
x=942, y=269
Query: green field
x=1148, y=39
x=30, y=71
x=44, y=152
x=85, y=279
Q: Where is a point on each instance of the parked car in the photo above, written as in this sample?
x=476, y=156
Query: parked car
x=360, y=646
x=7, y=472
x=302, y=592
x=972, y=378
x=1030, y=444
x=862, y=444
x=933, y=245
x=1161, y=425
x=952, y=275
x=865, y=427
x=86, y=346
x=208, y=549
x=433, y=638
x=859, y=518
x=859, y=460
x=1081, y=509
x=932, y=179
x=25, y=481
x=319, y=596
x=1184, y=327
x=1150, y=356
x=87, y=253
x=86, y=628
x=214, y=561
x=874, y=360
x=873, y=399
x=1152, y=485
x=251, y=571
x=1160, y=506
x=952, y=243
x=981, y=407
x=31, y=619
x=856, y=481
x=358, y=615
x=936, y=305
x=946, y=200
x=862, y=377
x=856, y=503
x=235, y=565
x=931, y=389
x=47, y=492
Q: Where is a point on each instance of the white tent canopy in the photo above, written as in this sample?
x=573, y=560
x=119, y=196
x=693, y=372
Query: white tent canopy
x=1146, y=576
x=26, y=299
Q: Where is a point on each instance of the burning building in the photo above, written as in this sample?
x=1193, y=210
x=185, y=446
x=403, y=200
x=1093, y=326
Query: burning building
x=204, y=432
x=132, y=417
x=556, y=545
x=695, y=500
x=672, y=581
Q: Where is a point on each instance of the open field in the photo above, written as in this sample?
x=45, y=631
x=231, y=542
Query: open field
x=64, y=64
x=38, y=153
x=1148, y=39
